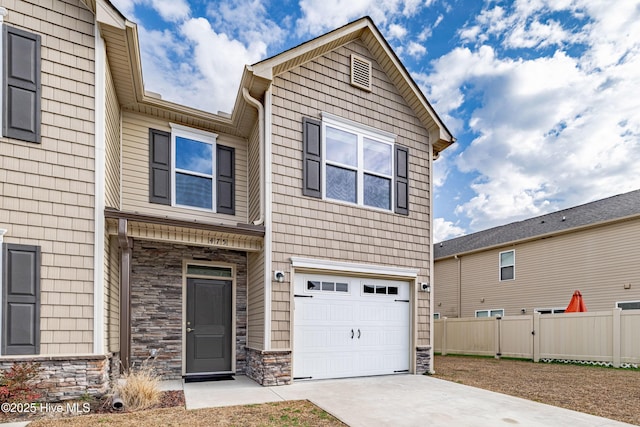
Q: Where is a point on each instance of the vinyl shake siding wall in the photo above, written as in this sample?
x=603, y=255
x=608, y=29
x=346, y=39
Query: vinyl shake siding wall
x=328, y=230
x=598, y=261
x=135, y=173
x=446, y=279
x=46, y=189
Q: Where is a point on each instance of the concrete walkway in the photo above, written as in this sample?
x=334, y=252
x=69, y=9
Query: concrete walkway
x=399, y=400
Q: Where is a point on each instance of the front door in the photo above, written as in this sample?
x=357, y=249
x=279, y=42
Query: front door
x=209, y=326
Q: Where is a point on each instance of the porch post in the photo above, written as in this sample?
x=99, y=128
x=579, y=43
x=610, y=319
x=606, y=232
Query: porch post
x=126, y=244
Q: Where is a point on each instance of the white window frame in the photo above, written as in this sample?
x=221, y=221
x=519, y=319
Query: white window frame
x=626, y=302
x=489, y=311
x=361, y=131
x=500, y=266
x=199, y=136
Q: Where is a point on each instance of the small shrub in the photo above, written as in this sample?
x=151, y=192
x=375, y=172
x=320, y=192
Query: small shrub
x=17, y=383
x=140, y=388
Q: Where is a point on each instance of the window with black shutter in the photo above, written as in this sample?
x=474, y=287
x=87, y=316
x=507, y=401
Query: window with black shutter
x=187, y=168
x=21, y=88
x=353, y=163
x=20, y=299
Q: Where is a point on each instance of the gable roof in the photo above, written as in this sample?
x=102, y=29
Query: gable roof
x=365, y=30
x=613, y=208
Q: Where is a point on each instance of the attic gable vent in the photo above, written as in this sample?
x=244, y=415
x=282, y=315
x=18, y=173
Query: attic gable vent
x=360, y=72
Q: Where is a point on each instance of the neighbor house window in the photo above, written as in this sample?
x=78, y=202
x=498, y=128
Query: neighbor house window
x=490, y=313
x=549, y=310
x=189, y=169
x=507, y=265
x=20, y=89
x=628, y=305
x=353, y=163
x=436, y=316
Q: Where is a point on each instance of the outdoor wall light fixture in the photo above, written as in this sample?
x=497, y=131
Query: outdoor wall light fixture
x=425, y=287
x=523, y=310
x=279, y=276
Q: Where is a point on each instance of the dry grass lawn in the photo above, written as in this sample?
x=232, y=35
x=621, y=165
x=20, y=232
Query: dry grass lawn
x=606, y=392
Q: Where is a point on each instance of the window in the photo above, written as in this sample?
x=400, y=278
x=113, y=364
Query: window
x=490, y=313
x=380, y=289
x=352, y=163
x=436, y=316
x=549, y=310
x=628, y=305
x=507, y=265
x=324, y=286
x=358, y=165
x=20, y=299
x=20, y=88
x=189, y=169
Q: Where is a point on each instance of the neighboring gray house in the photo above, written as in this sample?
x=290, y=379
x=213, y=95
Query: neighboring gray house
x=537, y=264
x=294, y=248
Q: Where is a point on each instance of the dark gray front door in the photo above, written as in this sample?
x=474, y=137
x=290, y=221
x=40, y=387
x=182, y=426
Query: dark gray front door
x=209, y=322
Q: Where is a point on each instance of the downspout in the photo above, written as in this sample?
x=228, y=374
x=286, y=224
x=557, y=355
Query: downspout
x=431, y=267
x=459, y=285
x=260, y=108
x=126, y=245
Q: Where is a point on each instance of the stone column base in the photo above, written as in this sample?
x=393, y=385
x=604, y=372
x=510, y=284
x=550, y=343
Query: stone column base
x=269, y=368
x=423, y=360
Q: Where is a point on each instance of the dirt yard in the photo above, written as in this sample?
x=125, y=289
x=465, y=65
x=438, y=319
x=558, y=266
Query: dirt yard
x=606, y=392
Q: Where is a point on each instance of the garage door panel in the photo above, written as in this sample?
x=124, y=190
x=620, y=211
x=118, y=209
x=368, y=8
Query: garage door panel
x=347, y=334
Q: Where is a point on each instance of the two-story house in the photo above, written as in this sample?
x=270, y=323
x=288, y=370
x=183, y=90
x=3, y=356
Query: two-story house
x=287, y=240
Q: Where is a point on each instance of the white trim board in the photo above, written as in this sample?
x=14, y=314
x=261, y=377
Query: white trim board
x=350, y=267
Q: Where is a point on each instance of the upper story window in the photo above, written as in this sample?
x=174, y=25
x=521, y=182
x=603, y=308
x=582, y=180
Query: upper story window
x=20, y=88
x=189, y=169
x=628, y=305
x=358, y=165
x=354, y=163
x=194, y=155
x=507, y=265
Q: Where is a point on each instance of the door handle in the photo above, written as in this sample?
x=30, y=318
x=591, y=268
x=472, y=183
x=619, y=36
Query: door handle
x=358, y=333
x=352, y=334
x=190, y=330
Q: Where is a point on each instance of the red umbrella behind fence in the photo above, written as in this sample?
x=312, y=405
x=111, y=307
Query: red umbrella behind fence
x=576, y=305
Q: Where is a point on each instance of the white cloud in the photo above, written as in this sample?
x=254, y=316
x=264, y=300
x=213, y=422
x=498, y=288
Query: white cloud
x=551, y=132
x=416, y=49
x=396, y=31
x=444, y=230
x=319, y=16
x=172, y=10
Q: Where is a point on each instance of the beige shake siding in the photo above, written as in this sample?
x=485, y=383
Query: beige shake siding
x=598, y=261
x=329, y=230
x=135, y=173
x=46, y=190
x=112, y=200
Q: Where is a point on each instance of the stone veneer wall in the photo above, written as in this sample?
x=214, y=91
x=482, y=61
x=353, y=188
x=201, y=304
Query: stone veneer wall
x=269, y=367
x=67, y=377
x=156, y=302
x=423, y=360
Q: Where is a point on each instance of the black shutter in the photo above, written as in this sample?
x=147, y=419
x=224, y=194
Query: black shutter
x=21, y=299
x=159, y=167
x=225, y=180
x=311, y=158
x=21, y=85
x=402, y=180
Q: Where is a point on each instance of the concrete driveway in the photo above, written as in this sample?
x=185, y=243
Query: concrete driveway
x=398, y=400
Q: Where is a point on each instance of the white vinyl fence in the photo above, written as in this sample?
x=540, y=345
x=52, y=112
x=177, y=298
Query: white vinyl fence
x=602, y=337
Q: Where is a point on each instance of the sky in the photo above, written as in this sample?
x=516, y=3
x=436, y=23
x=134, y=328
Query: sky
x=543, y=96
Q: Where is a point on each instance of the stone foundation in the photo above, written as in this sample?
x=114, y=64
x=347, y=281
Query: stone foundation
x=269, y=368
x=67, y=377
x=423, y=360
x=156, y=302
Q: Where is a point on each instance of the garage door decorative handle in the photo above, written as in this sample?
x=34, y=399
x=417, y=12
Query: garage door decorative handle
x=352, y=334
x=358, y=333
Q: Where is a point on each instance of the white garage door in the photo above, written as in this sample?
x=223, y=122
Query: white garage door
x=349, y=327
